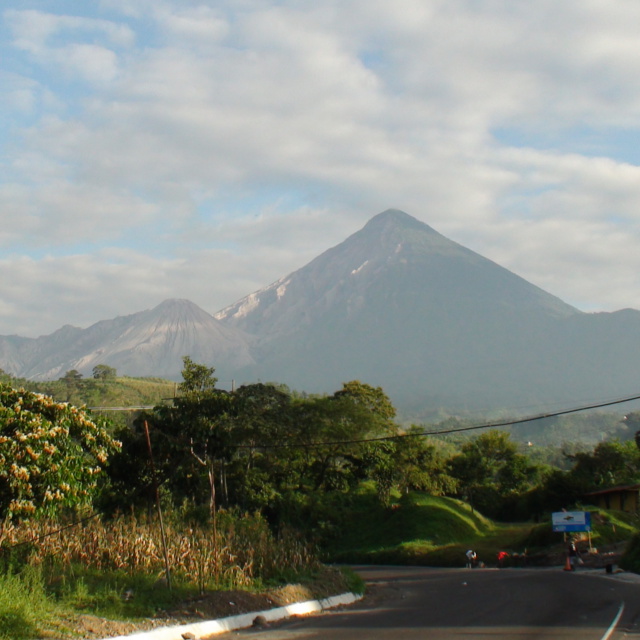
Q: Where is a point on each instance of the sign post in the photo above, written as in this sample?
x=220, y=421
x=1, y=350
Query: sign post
x=567, y=521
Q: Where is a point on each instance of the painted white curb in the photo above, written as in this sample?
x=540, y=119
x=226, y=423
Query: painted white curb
x=212, y=627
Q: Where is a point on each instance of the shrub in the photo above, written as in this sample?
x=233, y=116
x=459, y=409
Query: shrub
x=50, y=454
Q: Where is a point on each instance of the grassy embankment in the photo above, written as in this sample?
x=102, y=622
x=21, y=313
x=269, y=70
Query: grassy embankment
x=424, y=530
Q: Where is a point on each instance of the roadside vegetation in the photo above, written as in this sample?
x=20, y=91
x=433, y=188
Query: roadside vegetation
x=212, y=490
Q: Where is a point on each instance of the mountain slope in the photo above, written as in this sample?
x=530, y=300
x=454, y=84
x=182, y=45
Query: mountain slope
x=399, y=305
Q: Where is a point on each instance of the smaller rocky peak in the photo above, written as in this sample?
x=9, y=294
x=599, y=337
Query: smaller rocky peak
x=176, y=311
x=179, y=307
x=175, y=303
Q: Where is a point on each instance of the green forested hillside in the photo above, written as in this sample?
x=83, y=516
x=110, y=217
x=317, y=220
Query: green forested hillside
x=111, y=394
x=100, y=392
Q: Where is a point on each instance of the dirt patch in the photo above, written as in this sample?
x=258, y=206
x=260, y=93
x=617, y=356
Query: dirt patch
x=211, y=606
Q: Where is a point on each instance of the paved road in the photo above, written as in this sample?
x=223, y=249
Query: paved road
x=438, y=604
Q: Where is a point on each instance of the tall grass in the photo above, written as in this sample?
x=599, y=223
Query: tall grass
x=243, y=551
x=25, y=609
x=116, y=568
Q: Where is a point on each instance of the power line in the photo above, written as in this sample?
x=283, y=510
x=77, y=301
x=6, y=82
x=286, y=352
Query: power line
x=132, y=408
x=487, y=425
x=541, y=416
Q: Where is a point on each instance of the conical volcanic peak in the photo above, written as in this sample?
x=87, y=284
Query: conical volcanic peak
x=390, y=237
x=393, y=233
x=393, y=256
x=400, y=305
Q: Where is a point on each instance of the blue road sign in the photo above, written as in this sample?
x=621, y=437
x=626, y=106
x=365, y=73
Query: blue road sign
x=571, y=521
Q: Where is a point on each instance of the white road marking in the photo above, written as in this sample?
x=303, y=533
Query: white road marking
x=612, y=627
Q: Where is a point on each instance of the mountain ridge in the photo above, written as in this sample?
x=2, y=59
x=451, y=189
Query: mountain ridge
x=153, y=340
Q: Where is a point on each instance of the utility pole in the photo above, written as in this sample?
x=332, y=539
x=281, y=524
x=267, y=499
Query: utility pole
x=157, y=494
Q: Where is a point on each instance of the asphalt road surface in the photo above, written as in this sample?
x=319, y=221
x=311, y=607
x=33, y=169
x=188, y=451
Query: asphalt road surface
x=412, y=602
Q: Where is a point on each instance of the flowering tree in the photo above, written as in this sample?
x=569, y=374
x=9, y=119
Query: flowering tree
x=51, y=454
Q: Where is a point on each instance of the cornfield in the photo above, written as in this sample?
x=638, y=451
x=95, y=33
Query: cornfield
x=243, y=550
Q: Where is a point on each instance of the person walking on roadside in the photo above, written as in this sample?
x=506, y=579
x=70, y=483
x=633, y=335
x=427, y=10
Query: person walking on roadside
x=573, y=555
x=471, y=558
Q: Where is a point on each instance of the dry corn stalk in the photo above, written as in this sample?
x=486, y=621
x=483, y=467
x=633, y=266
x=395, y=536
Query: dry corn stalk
x=245, y=549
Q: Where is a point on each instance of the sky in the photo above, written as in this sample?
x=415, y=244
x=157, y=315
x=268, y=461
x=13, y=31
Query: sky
x=154, y=149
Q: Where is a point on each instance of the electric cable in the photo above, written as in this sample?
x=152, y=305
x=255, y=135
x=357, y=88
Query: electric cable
x=414, y=434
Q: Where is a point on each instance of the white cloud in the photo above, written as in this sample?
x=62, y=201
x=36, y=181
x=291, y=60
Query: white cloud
x=272, y=130
x=199, y=26
x=81, y=289
x=36, y=31
x=33, y=29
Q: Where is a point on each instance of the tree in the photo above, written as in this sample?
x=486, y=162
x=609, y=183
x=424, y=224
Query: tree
x=334, y=434
x=72, y=376
x=632, y=422
x=610, y=464
x=422, y=466
x=198, y=382
x=72, y=381
x=490, y=469
x=261, y=448
x=260, y=420
x=51, y=454
x=373, y=400
x=191, y=436
x=104, y=372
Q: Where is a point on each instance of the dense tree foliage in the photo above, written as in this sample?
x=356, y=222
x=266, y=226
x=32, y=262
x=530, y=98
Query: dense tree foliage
x=50, y=454
x=490, y=469
x=609, y=464
x=259, y=447
x=299, y=459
